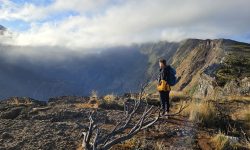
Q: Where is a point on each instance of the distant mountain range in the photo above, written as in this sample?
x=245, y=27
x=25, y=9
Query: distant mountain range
x=206, y=68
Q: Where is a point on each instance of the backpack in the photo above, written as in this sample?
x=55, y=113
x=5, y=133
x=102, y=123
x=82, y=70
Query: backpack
x=171, y=78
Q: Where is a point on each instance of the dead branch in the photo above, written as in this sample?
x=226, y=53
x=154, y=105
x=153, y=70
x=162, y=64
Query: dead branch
x=130, y=122
x=118, y=135
x=178, y=113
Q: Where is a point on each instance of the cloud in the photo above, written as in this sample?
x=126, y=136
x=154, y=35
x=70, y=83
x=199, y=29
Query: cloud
x=105, y=23
x=32, y=12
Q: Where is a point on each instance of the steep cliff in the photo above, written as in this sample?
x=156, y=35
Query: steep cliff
x=209, y=68
x=228, y=77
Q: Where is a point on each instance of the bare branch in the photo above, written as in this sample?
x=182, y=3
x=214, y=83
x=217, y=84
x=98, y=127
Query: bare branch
x=178, y=112
x=133, y=120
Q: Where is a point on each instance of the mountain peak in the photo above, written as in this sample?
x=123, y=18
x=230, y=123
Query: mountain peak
x=2, y=28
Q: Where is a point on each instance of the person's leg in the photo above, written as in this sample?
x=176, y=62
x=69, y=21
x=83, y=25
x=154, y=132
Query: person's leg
x=163, y=97
x=167, y=100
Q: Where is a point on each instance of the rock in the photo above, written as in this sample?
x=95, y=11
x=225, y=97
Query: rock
x=238, y=87
x=207, y=88
x=6, y=135
x=12, y=113
x=233, y=140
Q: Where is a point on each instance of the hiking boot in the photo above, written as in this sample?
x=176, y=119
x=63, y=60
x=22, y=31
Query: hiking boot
x=163, y=113
x=166, y=115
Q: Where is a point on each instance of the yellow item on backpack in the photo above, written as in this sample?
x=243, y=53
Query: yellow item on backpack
x=163, y=86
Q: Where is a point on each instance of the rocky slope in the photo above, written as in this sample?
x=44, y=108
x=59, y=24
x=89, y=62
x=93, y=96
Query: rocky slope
x=30, y=124
x=225, y=71
x=204, y=66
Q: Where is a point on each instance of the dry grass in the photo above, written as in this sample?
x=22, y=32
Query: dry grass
x=224, y=142
x=129, y=144
x=92, y=103
x=110, y=101
x=221, y=141
x=201, y=112
x=18, y=102
x=160, y=145
x=94, y=94
x=110, y=98
x=86, y=105
x=176, y=96
x=248, y=145
x=238, y=98
x=243, y=115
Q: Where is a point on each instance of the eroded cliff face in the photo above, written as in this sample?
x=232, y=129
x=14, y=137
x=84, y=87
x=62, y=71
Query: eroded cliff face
x=214, y=69
x=209, y=89
x=192, y=58
x=210, y=68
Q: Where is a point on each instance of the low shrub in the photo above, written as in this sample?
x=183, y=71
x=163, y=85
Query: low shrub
x=202, y=112
x=224, y=142
x=110, y=102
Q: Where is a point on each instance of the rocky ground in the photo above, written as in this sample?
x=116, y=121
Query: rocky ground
x=26, y=123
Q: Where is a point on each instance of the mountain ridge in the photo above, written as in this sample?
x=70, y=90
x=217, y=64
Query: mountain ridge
x=120, y=69
x=194, y=57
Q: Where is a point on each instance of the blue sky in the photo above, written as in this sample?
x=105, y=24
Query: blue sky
x=100, y=23
x=36, y=2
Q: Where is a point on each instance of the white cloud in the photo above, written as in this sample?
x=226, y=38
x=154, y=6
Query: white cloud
x=131, y=21
x=31, y=12
x=26, y=12
x=77, y=5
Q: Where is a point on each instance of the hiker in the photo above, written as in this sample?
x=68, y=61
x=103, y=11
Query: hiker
x=164, y=94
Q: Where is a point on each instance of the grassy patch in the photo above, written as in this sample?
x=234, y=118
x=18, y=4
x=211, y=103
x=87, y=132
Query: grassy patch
x=224, y=142
x=235, y=65
x=110, y=102
x=193, y=89
x=243, y=115
x=179, y=97
x=129, y=144
x=221, y=141
x=93, y=103
x=203, y=112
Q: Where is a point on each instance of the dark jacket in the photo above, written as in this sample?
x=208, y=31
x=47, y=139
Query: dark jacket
x=163, y=72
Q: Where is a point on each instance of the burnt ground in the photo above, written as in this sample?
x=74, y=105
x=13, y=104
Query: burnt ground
x=26, y=123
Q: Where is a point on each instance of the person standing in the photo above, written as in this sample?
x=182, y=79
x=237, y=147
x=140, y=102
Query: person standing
x=164, y=94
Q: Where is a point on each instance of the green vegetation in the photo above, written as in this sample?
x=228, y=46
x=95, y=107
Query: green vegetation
x=236, y=64
x=238, y=46
x=193, y=89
